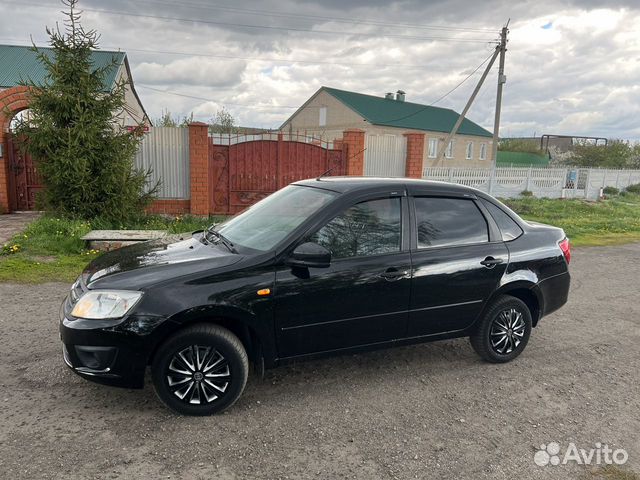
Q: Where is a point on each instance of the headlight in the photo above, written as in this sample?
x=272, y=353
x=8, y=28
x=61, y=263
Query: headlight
x=104, y=304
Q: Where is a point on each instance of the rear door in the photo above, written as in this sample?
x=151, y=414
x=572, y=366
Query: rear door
x=458, y=261
x=363, y=296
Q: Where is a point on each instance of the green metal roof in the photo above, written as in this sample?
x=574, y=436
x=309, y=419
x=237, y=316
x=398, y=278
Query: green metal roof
x=393, y=113
x=19, y=64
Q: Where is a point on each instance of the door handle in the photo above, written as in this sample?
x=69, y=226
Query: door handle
x=393, y=274
x=491, y=262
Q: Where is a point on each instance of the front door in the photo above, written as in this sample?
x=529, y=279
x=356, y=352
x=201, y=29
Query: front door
x=362, y=298
x=455, y=266
x=24, y=179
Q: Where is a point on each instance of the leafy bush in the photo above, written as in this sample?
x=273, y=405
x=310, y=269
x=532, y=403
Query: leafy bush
x=610, y=191
x=526, y=193
x=616, y=154
x=635, y=188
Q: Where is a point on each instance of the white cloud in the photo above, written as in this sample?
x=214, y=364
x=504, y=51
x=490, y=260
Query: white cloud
x=580, y=75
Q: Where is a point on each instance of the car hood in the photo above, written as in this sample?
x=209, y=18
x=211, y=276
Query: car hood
x=143, y=264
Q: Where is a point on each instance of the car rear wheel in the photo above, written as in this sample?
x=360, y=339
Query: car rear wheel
x=201, y=370
x=503, y=331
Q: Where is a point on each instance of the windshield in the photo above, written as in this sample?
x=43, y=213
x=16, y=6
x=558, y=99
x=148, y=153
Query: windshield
x=263, y=225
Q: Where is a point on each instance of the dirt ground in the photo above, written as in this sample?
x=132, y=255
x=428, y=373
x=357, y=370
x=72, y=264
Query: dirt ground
x=427, y=411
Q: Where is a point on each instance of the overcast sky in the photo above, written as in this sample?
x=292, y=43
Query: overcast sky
x=573, y=67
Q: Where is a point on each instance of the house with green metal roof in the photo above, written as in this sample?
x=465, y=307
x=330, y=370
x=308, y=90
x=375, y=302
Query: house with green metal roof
x=20, y=65
x=386, y=119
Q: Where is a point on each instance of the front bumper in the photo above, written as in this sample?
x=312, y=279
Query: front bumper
x=111, y=352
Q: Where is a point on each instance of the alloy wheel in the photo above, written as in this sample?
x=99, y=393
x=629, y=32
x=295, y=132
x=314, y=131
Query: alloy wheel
x=507, y=331
x=198, y=375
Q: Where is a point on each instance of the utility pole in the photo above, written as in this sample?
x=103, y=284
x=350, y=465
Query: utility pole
x=502, y=78
x=454, y=130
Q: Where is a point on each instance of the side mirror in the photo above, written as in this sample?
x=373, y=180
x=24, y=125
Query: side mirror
x=310, y=254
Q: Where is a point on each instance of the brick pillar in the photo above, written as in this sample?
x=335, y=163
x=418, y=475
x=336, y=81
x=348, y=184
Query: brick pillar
x=415, y=155
x=353, y=140
x=199, y=168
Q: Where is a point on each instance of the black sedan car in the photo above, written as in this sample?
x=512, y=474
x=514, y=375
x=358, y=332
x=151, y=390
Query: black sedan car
x=321, y=267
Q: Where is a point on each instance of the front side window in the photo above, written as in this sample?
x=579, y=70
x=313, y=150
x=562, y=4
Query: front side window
x=449, y=221
x=433, y=148
x=263, y=225
x=469, y=150
x=449, y=151
x=368, y=228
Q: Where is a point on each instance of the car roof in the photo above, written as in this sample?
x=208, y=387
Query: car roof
x=352, y=184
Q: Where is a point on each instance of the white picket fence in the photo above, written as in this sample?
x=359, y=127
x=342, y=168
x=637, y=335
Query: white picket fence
x=542, y=182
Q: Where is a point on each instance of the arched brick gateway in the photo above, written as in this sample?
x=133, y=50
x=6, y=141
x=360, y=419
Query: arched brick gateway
x=12, y=101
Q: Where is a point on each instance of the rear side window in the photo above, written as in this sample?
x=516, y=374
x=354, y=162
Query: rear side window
x=508, y=227
x=449, y=221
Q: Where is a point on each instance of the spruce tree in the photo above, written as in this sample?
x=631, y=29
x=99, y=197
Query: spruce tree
x=74, y=131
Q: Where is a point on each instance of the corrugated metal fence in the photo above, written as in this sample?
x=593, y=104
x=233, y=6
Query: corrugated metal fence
x=165, y=150
x=385, y=155
x=542, y=182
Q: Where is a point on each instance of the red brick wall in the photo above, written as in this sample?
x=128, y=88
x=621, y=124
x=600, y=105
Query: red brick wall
x=199, y=167
x=353, y=140
x=415, y=154
x=12, y=100
x=170, y=206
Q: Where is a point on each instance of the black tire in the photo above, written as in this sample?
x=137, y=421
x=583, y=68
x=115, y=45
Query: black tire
x=505, y=314
x=207, y=364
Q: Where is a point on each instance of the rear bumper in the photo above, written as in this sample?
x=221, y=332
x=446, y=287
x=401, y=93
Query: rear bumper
x=555, y=292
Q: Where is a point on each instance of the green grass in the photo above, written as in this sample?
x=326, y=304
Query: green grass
x=608, y=222
x=50, y=249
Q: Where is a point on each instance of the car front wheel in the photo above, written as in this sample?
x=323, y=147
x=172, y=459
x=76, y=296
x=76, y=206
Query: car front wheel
x=503, y=331
x=201, y=370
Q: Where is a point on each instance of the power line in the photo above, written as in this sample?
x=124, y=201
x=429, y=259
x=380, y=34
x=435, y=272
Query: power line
x=178, y=94
x=267, y=27
x=443, y=96
x=257, y=59
x=269, y=13
x=460, y=84
x=279, y=60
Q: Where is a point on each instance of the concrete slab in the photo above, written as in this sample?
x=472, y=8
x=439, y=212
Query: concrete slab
x=106, y=240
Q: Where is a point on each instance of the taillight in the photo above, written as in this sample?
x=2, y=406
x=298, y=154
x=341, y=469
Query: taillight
x=566, y=249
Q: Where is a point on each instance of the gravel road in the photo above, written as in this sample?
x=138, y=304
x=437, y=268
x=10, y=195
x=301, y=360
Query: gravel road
x=427, y=411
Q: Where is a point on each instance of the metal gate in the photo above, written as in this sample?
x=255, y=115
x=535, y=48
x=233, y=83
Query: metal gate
x=385, y=155
x=246, y=169
x=24, y=179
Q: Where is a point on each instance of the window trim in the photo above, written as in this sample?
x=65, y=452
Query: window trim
x=494, y=234
x=469, y=151
x=404, y=219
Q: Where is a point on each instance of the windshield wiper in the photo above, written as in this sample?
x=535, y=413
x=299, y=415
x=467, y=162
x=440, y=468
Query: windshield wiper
x=220, y=239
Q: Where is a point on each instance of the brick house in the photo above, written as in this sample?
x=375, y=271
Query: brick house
x=19, y=64
x=330, y=111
